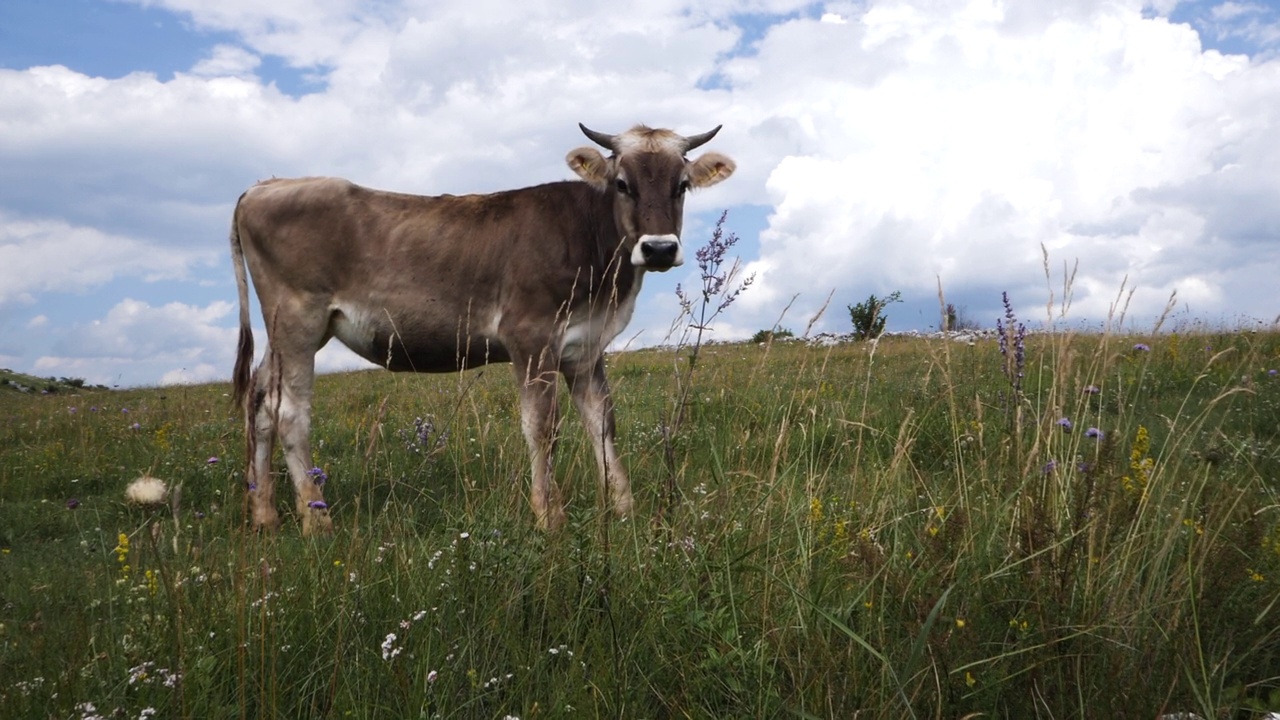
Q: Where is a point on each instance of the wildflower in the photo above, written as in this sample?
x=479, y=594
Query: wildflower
x=146, y=490
x=1093, y=432
x=72, y=503
x=318, y=475
x=251, y=486
x=1049, y=467
x=969, y=679
x=1272, y=372
x=1091, y=390
x=136, y=426
x=1142, y=347
x=318, y=505
x=1064, y=423
x=213, y=460
x=389, y=648
x=960, y=623
x=431, y=676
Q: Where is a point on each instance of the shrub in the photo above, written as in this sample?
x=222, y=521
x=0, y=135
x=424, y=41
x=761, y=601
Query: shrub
x=762, y=336
x=868, y=317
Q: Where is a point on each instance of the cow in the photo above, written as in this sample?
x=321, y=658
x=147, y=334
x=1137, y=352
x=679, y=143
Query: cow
x=543, y=277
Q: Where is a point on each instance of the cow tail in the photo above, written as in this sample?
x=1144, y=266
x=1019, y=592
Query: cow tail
x=244, y=352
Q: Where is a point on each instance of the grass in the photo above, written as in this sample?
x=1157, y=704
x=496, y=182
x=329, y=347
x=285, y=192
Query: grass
x=888, y=530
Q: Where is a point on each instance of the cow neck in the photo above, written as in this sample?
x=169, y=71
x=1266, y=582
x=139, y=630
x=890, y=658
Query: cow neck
x=611, y=268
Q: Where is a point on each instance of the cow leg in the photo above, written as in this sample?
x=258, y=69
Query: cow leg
x=281, y=408
x=538, y=419
x=260, y=429
x=296, y=386
x=590, y=391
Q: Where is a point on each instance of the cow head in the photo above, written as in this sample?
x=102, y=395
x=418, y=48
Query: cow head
x=647, y=176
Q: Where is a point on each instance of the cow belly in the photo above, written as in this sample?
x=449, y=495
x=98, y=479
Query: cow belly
x=404, y=346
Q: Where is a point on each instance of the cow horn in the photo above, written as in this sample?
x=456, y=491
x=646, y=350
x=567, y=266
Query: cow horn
x=698, y=140
x=599, y=138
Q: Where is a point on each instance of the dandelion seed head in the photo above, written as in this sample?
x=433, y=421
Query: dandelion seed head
x=146, y=490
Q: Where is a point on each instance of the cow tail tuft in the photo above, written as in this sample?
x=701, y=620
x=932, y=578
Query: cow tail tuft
x=244, y=350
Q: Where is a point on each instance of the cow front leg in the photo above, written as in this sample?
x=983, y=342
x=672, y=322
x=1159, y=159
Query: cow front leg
x=538, y=420
x=590, y=390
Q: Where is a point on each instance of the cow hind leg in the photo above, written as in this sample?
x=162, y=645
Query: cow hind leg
x=260, y=433
x=590, y=391
x=538, y=420
x=281, y=405
x=293, y=420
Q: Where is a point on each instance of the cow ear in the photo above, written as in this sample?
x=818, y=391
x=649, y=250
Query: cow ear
x=590, y=166
x=710, y=169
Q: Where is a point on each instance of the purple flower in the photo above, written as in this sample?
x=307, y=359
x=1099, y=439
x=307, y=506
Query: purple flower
x=72, y=504
x=1091, y=390
x=1049, y=467
x=199, y=515
x=1064, y=423
x=212, y=461
x=1142, y=347
x=1093, y=433
x=124, y=410
x=136, y=426
x=318, y=475
x=1272, y=372
x=251, y=486
x=318, y=505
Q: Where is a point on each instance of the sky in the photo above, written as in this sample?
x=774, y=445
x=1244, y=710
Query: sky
x=979, y=148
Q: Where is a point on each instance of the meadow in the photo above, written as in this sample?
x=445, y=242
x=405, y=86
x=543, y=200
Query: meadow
x=1064, y=525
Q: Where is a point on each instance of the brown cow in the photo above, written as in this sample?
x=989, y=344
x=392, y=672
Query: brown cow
x=543, y=277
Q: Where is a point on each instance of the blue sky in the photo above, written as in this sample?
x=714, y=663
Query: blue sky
x=882, y=146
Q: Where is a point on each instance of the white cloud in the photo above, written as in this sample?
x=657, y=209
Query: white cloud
x=137, y=343
x=894, y=143
x=946, y=143
x=39, y=256
x=227, y=60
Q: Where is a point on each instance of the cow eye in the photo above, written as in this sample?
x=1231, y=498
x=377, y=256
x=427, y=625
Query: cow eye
x=682, y=188
x=622, y=187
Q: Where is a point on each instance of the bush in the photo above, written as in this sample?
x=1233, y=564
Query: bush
x=763, y=336
x=868, y=317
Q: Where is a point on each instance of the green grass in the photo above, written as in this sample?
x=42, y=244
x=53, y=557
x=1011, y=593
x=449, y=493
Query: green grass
x=859, y=531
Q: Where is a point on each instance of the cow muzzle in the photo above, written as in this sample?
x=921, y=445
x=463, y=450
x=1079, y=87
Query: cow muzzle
x=657, y=252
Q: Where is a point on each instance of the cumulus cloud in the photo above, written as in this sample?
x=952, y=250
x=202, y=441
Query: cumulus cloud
x=893, y=144
x=227, y=60
x=38, y=256
x=138, y=343
x=955, y=143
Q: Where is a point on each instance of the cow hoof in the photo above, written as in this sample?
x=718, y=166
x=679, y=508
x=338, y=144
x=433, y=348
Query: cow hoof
x=317, y=522
x=552, y=521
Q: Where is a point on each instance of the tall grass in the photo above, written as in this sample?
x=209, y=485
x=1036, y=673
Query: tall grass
x=890, y=529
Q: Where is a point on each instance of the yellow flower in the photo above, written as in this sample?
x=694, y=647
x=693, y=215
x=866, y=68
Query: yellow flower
x=337, y=563
x=969, y=679
x=1254, y=575
x=960, y=623
x=815, y=511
